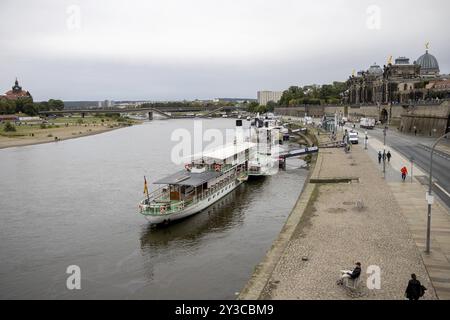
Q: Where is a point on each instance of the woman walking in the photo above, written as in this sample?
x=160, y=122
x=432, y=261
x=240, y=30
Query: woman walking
x=404, y=172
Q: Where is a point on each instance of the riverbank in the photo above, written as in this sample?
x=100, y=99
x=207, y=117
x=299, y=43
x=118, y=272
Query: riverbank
x=336, y=224
x=32, y=135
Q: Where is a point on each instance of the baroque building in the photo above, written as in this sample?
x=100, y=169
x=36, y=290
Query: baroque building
x=400, y=82
x=16, y=92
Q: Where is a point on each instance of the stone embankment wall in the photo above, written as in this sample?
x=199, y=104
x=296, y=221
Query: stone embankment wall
x=428, y=119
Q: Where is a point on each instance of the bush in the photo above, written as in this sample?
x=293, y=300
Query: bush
x=43, y=126
x=9, y=127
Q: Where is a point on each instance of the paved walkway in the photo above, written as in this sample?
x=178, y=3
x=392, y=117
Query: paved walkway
x=344, y=222
x=411, y=198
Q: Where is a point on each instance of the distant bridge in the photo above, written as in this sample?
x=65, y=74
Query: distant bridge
x=83, y=112
x=150, y=111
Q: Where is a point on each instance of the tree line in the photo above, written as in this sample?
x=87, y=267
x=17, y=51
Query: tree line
x=27, y=106
x=313, y=94
x=306, y=95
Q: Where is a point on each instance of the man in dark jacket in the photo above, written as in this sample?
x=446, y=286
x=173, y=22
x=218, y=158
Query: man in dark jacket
x=354, y=274
x=415, y=290
x=389, y=155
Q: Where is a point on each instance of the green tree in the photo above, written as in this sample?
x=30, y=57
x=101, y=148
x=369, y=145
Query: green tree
x=271, y=105
x=7, y=106
x=55, y=104
x=253, y=107
x=21, y=102
x=30, y=109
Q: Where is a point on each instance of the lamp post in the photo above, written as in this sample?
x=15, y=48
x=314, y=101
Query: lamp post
x=430, y=189
x=366, y=140
x=384, y=135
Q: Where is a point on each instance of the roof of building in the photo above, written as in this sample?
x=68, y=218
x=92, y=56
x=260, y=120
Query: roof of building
x=375, y=69
x=402, y=60
x=428, y=63
x=16, y=92
x=186, y=178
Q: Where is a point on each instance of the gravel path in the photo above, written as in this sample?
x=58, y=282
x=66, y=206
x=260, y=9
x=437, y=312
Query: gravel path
x=348, y=222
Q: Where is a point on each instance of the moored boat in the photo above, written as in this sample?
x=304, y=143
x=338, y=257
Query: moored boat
x=205, y=180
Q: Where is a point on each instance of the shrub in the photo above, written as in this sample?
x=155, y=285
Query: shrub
x=9, y=127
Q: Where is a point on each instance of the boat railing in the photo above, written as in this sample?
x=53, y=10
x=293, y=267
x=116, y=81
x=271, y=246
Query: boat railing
x=159, y=195
x=159, y=204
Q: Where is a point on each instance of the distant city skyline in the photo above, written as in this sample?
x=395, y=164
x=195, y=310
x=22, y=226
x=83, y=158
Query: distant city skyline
x=202, y=49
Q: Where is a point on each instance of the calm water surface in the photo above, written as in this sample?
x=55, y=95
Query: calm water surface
x=75, y=203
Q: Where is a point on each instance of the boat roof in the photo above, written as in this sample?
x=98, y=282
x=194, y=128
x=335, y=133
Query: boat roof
x=225, y=151
x=186, y=178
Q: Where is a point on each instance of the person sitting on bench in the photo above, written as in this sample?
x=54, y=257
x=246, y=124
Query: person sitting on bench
x=354, y=274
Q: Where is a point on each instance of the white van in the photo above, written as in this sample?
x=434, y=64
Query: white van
x=353, y=137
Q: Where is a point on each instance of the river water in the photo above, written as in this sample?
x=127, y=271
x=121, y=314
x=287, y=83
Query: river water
x=75, y=202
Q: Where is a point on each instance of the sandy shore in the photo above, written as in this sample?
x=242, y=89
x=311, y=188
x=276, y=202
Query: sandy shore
x=54, y=135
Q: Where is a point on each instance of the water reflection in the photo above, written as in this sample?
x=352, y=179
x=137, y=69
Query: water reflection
x=83, y=197
x=219, y=217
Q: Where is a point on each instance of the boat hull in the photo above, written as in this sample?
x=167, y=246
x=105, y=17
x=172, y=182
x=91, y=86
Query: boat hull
x=195, y=208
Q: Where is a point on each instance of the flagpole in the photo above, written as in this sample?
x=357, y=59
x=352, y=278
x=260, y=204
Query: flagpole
x=146, y=190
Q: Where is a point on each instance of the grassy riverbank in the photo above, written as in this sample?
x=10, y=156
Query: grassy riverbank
x=58, y=129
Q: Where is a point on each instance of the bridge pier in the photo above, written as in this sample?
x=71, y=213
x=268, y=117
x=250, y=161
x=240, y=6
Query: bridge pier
x=150, y=115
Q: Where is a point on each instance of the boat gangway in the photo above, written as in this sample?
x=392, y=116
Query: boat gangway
x=298, y=152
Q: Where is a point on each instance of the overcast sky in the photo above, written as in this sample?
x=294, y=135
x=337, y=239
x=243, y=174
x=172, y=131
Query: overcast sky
x=188, y=49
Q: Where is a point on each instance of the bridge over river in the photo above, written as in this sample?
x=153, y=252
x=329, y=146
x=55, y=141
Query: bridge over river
x=169, y=112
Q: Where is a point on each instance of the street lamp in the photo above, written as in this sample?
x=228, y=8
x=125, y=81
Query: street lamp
x=384, y=135
x=429, y=196
x=366, y=140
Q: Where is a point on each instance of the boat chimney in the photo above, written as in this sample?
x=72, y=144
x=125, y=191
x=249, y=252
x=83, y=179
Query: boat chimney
x=239, y=132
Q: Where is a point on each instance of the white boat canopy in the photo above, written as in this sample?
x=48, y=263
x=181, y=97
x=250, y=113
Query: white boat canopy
x=185, y=178
x=224, y=152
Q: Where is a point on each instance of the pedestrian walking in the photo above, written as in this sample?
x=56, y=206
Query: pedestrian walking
x=389, y=155
x=384, y=155
x=379, y=157
x=415, y=289
x=404, y=172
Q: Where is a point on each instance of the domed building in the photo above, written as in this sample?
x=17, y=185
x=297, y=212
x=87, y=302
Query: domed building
x=16, y=93
x=429, y=66
x=375, y=70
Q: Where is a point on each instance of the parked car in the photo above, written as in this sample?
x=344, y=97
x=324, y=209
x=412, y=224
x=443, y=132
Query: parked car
x=353, y=137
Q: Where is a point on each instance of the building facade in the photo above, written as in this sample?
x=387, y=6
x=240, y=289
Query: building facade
x=16, y=92
x=400, y=82
x=265, y=96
